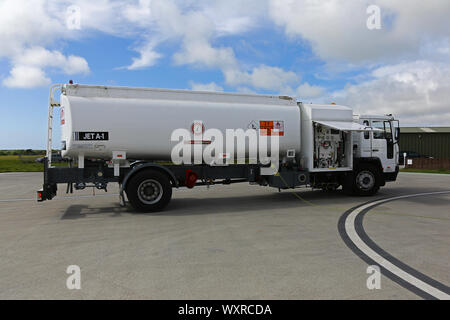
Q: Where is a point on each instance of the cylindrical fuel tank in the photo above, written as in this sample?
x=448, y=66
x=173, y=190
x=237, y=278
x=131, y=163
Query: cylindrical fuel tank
x=97, y=120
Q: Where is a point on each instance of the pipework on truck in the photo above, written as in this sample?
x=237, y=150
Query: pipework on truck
x=130, y=136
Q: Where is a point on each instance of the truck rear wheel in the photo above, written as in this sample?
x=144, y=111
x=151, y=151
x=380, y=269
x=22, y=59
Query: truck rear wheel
x=149, y=191
x=366, y=181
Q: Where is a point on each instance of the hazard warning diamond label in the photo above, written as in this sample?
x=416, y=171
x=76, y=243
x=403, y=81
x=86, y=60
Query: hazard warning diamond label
x=271, y=128
x=253, y=125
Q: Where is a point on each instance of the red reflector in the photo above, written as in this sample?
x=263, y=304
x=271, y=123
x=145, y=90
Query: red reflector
x=191, y=178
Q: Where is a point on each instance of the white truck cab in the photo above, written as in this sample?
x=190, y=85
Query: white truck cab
x=379, y=146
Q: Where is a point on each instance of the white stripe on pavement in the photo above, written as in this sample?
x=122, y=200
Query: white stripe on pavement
x=361, y=245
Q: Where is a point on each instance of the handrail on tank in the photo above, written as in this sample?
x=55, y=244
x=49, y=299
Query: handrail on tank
x=51, y=104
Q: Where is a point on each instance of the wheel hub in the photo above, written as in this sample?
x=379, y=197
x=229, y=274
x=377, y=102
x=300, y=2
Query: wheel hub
x=150, y=191
x=365, y=180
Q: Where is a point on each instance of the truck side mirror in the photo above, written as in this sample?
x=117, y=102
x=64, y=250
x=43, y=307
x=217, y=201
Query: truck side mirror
x=397, y=133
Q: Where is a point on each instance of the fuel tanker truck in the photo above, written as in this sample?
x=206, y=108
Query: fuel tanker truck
x=152, y=140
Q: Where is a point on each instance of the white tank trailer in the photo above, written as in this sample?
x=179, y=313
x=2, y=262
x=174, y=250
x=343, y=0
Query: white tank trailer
x=96, y=121
x=122, y=134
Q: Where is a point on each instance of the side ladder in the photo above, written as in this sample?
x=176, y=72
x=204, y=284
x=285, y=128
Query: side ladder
x=51, y=104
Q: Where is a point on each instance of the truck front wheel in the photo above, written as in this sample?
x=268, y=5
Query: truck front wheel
x=366, y=181
x=149, y=191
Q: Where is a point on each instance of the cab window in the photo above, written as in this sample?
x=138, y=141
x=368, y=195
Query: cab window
x=388, y=130
x=378, y=125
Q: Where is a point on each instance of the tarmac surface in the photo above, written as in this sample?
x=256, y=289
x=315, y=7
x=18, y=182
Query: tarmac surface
x=225, y=242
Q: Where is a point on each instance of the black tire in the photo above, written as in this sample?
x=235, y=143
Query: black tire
x=366, y=180
x=149, y=191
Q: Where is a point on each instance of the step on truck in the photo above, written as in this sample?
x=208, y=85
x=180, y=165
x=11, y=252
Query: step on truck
x=148, y=141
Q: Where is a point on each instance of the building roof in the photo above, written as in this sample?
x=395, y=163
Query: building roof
x=425, y=129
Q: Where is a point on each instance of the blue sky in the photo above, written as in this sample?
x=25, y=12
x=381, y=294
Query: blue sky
x=317, y=51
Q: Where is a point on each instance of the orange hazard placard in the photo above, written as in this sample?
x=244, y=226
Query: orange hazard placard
x=271, y=128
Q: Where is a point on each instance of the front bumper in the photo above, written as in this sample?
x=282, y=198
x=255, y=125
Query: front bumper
x=391, y=176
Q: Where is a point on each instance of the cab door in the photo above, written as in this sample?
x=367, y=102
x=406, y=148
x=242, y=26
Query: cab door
x=383, y=144
x=379, y=145
x=365, y=140
x=388, y=134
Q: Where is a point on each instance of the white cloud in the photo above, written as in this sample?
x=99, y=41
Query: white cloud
x=404, y=79
x=41, y=57
x=26, y=77
x=75, y=65
x=206, y=21
x=26, y=27
x=140, y=14
x=418, y=93
x=406, y=63
x=212, y=86
x=148, y=57
x=196, y=24
x=235, y=16
x=25, y=23
x=34, y=60
x=196, y=31
x=306, y=90
x=105, y=16
x=337, y=29
x=199, y=52
x=261, y=77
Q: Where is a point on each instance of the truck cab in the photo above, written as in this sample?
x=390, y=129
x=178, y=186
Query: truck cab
x=379, y=146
